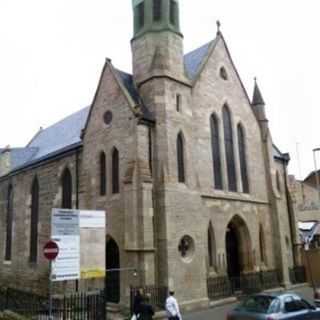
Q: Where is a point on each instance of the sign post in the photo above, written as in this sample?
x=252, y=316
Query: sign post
x=50, y=251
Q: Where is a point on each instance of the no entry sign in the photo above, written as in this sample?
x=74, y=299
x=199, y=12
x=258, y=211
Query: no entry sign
x=51, y=250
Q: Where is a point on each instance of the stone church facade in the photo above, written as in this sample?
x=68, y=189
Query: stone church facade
x=178, y=156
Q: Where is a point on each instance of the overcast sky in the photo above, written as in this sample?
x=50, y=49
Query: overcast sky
x=52, y=53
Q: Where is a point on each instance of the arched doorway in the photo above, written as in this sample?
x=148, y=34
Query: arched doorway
x=232, y=247
x=238, y=248
x=113, y=275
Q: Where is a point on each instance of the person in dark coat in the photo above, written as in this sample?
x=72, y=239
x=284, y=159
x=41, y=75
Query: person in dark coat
x=137, y=302
x=147, y=311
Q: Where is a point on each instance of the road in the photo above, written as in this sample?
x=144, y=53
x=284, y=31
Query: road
x=220, y=313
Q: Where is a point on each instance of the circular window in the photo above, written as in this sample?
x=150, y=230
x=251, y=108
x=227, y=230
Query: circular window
x=223, y=73
x=186, y=248
x=107, y=117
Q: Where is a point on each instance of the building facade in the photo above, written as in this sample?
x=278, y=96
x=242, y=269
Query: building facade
x=178, y=156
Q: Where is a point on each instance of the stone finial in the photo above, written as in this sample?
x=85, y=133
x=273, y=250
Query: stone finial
x=218, y=26
x=257, y=96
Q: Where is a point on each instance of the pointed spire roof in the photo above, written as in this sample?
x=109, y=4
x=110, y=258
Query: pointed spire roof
x=257, y=96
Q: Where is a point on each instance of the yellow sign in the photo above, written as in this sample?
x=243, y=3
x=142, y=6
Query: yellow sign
x=92, y=273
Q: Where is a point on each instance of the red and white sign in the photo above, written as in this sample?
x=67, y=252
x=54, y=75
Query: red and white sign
x=51, y=250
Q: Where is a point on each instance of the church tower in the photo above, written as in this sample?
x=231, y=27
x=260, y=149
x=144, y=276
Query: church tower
x=157, y=44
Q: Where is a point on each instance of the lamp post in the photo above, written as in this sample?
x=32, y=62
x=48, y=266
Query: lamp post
x=316, y=170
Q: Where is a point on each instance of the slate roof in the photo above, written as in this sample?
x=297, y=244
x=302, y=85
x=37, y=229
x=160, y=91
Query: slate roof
x=66, y=134
x=193, y=59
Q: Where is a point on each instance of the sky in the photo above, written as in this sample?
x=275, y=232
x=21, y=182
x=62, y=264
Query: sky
x=52, y=53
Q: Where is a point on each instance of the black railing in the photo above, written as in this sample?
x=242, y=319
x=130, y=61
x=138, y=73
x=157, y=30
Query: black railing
x=80, y=306
x=297, y=275
x=157, y=296
x=222, y=287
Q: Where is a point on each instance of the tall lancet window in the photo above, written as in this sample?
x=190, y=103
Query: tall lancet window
x=8, y=248
x=215, y=146
x=173, y=12
x=66, y=182
x=228, y=141
x=103, y=174
x=180, y=158
x=115, y=171
x=157, y=6
x=243, y=159
x=34, y=221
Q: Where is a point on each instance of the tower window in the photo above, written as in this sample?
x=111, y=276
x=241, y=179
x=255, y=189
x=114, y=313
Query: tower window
x=173, y=12
x=178, y=103
x=140, y=12
x=157, y=4
x=180, y=158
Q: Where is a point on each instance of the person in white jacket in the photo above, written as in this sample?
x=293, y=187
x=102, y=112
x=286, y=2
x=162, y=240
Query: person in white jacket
x=172, y=307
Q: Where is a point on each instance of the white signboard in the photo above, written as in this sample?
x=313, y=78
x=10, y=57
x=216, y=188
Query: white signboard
x=65, y=231
x=80, y=236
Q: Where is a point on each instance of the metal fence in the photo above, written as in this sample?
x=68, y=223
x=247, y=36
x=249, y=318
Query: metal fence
x=297, y=275
x=157, y=296
x=222, y=287
x=80, y=306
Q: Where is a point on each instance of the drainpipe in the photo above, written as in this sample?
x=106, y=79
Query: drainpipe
x=77, y=196
x=290, y=211
x=77, y=179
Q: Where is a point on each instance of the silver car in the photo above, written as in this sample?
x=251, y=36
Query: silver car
x=274, y=307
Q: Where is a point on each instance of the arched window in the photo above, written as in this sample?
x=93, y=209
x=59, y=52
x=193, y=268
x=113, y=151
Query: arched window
x=157, y=6
x=262, y=246
x=215, y=145
x=278, y=181
x=34, y=221
x=66, y=182
x=115, y=171
x=211, y=247
x=8, y=248
x=103, y=174
x=180, y=158
x=243, y=160
x=228, y=141
x=140, y=15
x=173, y=12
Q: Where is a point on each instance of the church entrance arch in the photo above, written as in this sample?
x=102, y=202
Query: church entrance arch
x=112, y=274
x=238, y=248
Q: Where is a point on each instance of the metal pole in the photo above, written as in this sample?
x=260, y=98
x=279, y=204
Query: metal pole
x=50, y=291
x=316, y=170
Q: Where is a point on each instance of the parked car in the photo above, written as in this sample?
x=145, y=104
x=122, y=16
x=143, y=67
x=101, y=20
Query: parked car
x=317, y=297
x=274, y=307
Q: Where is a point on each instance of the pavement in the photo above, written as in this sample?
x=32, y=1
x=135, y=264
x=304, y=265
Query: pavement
x=220, y=313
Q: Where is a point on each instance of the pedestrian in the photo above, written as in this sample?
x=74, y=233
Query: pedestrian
x=146, y=311
x=138, y=298
x=172, y=307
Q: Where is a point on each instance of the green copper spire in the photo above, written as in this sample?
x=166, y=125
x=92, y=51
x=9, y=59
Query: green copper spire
x=155, y=16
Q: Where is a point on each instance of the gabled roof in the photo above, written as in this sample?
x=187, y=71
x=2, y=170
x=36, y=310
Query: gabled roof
x=194, y=59
x=66, y=134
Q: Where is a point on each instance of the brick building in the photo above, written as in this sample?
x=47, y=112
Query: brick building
x=177, y=154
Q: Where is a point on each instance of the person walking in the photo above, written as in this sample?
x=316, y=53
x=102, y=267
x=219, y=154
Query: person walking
x=146, y=310
x=137, y=302
x=172, y=307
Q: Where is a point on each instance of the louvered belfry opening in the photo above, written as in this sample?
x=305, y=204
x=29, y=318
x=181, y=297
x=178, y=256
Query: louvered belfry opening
x=157, y=10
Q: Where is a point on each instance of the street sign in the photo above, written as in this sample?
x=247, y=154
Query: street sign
x=50, y=250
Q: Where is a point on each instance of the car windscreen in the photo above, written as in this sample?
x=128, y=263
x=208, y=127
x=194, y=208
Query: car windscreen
x=258, y=304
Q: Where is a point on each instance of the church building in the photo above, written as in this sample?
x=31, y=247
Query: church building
x=179, y=157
